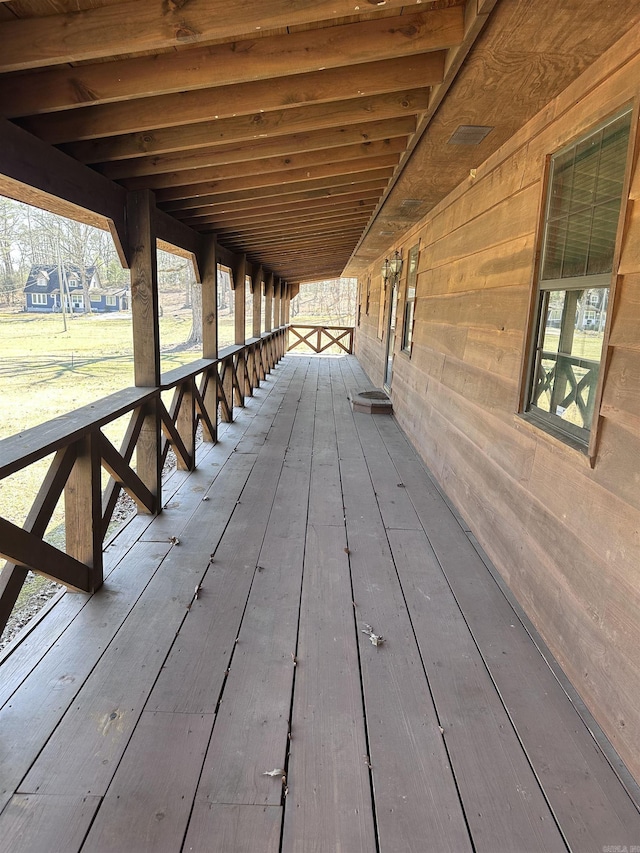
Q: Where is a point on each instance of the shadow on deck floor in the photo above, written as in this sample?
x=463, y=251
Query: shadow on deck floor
x=223, y=694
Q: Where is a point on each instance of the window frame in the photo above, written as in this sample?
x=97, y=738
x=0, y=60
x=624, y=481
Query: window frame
x=39, y=299
x=408, y=323
x=552, y=425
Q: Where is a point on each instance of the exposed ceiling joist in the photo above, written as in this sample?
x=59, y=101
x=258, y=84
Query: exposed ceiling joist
x=287, y=145
x=255, y=126
x=98, y=32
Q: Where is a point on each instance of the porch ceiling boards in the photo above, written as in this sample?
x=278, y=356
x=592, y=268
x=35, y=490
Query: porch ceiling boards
x=221, y=694
x=308, y=135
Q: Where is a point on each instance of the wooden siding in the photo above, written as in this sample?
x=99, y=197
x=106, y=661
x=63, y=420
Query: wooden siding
x=565, y=535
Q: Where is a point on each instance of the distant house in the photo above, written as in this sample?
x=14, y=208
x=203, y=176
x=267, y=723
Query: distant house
x=43, y=291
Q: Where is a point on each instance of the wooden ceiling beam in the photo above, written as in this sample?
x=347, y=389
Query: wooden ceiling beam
x=256, y=149
x=277, y=179
x=251, y=127
x=293, y=226
x=363, y=195
x=320, y=241
x=287, y=235
x=300, y=189
x=267, y=165
x=138, y=26
x=333, y=84
x=293, y=217
x=224, y=64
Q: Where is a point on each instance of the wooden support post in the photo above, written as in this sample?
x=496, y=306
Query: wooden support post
x=256, y=289
x=83, y=509
x=146, y=334
x=268, y=303
x=209, y=271
x=287, y=317
x=276, y=303
x=208, y=261
x=239, y=310
x=239, y=314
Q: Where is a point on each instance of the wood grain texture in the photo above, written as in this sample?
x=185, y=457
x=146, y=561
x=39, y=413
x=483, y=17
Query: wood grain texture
x=148, y=804
x=327, y=85
x=225, y=64
x=34, y=823
x=216, y=828
x=35, y=43
x=244, y=128
x=329, y=796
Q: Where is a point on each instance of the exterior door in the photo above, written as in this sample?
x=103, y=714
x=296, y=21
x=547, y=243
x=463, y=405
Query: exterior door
x=391, y=333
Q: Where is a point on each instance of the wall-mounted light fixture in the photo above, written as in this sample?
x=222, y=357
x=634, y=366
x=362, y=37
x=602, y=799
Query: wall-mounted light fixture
x=391, y=269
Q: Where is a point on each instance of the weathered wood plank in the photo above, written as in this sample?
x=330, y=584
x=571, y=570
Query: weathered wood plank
x=224, y=64
x=108, y=706
x=37, y=42
x=505, y=807
x=566, y=759
x=36, y=823
x=329, y=797
x=216, y=828
x=253, y=96
x=53, y=684
x=148, y=804
x=414, y=788
x=195, y=669
x=251, y=731
x=312, y=141
x=244, y=128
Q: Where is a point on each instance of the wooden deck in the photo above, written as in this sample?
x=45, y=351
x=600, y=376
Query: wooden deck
x=221, y=694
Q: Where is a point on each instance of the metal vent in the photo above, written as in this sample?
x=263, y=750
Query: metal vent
x=470, y=134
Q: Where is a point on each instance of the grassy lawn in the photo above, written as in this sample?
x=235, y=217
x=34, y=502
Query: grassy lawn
x=45, y=372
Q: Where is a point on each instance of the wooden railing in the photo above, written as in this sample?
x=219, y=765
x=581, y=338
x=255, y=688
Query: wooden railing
x=568, y=379
x=320, y=338
x=203, y=391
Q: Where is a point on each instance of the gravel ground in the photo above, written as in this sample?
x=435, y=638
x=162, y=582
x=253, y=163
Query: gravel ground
x=39, y=590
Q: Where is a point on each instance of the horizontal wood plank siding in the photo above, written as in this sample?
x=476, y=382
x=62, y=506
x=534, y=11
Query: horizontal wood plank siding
x=565, y=535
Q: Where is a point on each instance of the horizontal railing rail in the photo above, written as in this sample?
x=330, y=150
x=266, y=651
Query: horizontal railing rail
x=204, y=392
x=319, y=339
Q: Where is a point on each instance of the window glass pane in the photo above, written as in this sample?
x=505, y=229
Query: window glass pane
x=585, y=169
x=562, y=179
x=613, y=160
x=603, y=238
x=554, y=249
x=568, y=361
x=576, y=247
x=584, y=204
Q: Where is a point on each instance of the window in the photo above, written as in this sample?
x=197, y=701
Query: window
x=110, y=300
x=77, y=300
x=38, y=298
x=581, y=222
x=410, y=299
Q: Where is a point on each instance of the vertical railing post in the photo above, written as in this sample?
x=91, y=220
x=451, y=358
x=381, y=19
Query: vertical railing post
x=268, y=303
x=256, y=287
x=208, y=262
x=146, y=332
x=239, y=314
x=186, y=423
x=83, y=509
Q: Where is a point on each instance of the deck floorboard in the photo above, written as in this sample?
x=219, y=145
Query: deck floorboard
x=255, y=715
